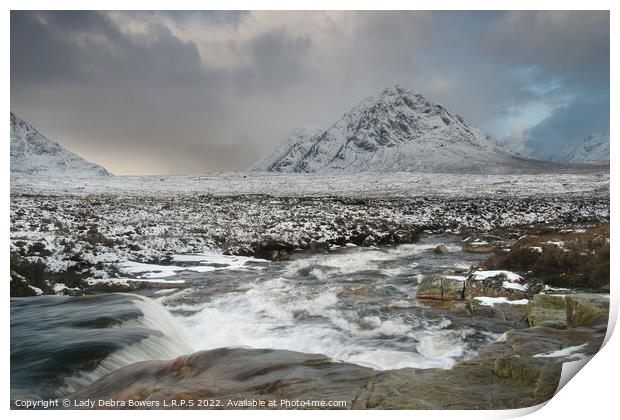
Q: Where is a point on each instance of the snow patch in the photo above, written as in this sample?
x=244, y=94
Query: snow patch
x=515, y=286
x=492, y=301
x=483, y=275
x=570, y=352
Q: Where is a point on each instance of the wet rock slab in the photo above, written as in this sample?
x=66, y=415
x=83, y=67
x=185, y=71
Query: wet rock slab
x=511, y=373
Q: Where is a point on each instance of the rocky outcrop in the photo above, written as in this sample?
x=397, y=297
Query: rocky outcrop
x=568, y=311
x=547, y=311
x=496, y=284
x=586, y=309
x=493, y=284
x=514, y=372
x=441, y=288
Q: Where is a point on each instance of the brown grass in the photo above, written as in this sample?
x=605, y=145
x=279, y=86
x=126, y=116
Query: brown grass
x=581, y=261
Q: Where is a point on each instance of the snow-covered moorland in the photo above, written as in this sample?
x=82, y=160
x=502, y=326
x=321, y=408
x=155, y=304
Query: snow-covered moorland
x=578, y=182
x=77, y=232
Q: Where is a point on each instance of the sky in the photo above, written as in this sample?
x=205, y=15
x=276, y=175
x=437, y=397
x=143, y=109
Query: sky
x=147, y=92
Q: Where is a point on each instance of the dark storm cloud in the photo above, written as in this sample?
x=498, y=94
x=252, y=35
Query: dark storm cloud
x=133, y=98
x=571, y=44
x=154, y=92
x=39, y=51
x=277, y=58
x=571, y=123
x=87, y=46
x=187, y=16
x=566, y=60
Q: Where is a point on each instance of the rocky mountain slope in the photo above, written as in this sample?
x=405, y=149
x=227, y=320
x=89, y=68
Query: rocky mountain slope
x=294, y=148
x=397, y=130
x=34, y=154
x=592, y=149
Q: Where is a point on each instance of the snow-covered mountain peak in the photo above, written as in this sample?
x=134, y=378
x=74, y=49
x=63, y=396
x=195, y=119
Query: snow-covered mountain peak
x=593, y=149
x=34, y=154
x=396, y=130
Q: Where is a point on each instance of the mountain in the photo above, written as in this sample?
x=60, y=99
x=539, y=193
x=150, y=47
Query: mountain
x=592, y=149
x=294, y=148
x=34, y=154
x=397, y=130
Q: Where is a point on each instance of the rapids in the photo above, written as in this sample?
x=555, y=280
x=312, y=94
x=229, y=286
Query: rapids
x=352, y=304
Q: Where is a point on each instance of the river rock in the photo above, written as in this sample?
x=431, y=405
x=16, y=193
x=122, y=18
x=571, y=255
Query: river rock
x=317, y=247
x=360, y=293
x=478, y=246
x=369, y=241
x=234, y=375
x=495, y=284
x=513, y=314
x=440, y=249
x=279, y=255
x=513, y=372
x=547, y=311
x=586, y=309
x=441, y=288
x=20, y=286
x=430, y=288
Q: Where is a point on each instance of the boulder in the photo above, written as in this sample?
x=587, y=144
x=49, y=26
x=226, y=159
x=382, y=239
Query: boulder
x=478, y=246
x=441, y=288
x=360, y=293
x=317, y=247
x=497, y=283
x=586, y=309
x=430, y=288
x=452, y=287
x=279, y=255
x=510, y=313
x=547, y=311
x=440, y=249
x=20, y=286
x=369, y=241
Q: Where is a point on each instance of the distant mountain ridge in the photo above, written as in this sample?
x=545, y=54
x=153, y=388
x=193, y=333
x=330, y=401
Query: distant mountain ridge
x=593, y=149
x=34, y=154
x=396, y=130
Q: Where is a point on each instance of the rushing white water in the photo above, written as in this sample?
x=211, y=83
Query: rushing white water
x=81, y=339
x=167, y=341
x=353, y=304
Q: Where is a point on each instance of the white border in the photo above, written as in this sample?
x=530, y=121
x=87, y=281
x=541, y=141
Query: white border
x=592, y=395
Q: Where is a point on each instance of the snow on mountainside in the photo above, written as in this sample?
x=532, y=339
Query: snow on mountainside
x=397, y=130
x=34, y=154
x=291, y=151
x=592, y=149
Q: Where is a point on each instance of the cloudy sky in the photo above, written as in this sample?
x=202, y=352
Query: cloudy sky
x=179, y=92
